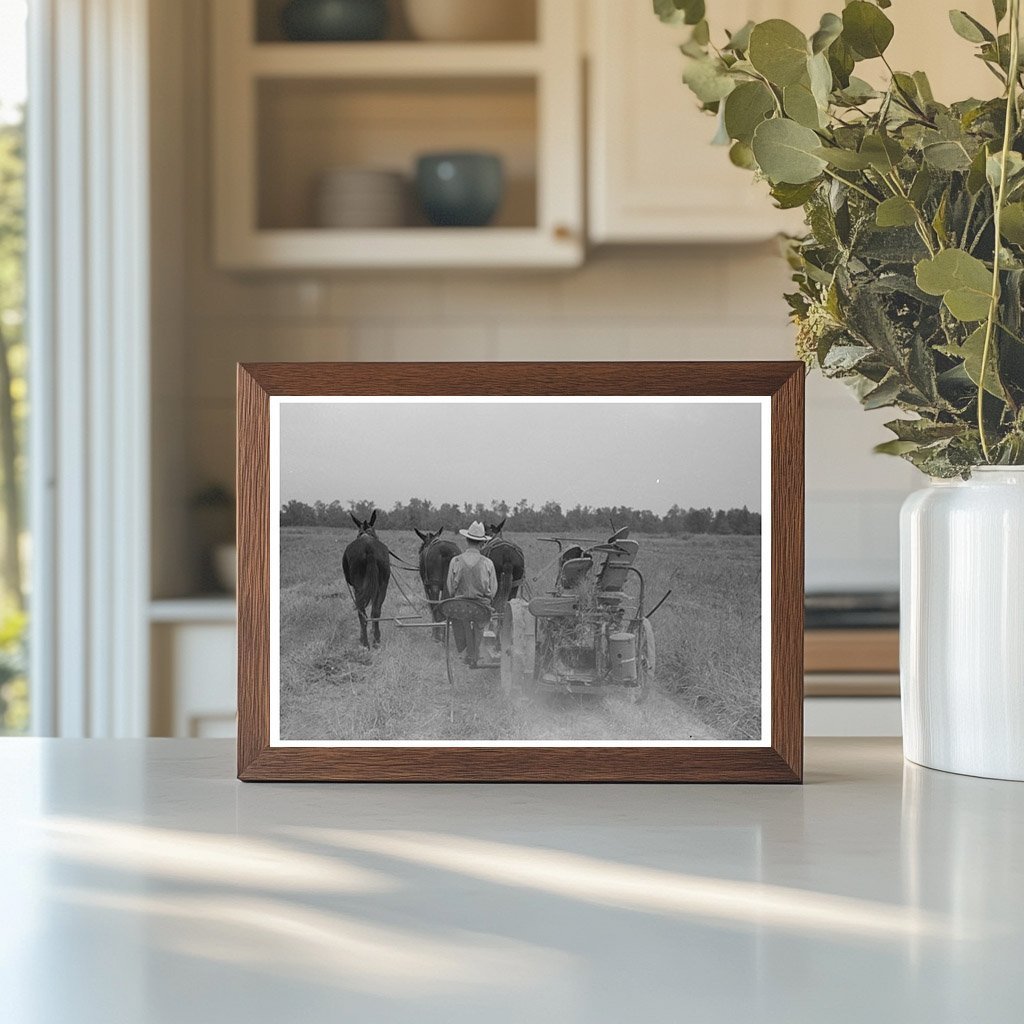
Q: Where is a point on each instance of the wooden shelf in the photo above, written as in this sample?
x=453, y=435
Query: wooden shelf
x=401, y=247
x=852, y=650
x=393, y=60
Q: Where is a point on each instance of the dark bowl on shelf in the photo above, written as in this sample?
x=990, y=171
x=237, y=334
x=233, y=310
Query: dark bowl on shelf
x=334, y=21
x=462, y=190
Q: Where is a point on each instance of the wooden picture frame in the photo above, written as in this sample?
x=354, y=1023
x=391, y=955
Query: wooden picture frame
x=779, y=758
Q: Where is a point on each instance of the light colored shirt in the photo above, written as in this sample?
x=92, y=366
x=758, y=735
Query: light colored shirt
x=472, y=574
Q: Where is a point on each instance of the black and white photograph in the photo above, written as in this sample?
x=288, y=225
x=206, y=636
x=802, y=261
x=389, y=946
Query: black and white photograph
x=567, y=571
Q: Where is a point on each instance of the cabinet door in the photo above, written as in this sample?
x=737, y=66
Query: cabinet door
x=654, y=177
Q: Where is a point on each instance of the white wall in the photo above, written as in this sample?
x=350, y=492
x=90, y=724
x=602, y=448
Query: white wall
x=666, y=303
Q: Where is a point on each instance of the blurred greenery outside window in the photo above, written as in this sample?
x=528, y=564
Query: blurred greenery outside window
x=14, y=692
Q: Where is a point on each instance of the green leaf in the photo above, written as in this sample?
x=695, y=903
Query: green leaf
x=922, y=185
x=883, y=153
x=947, y=156
x=820, y=76
x=896, y=447
x=1014, y=169
x=969, y=28
x=746, y=107
x=939, y=220
x=694, y=10
x=924, y=87
x=976, y=174
x=676, y=12
x=1012, y=225
x=801, y=106
x=896, y=212
x=844, y=159
x=831, y=28
x=789, y=197
x=785, y=152
x=708, y=80
x=963, y=281
x=972, y=352
x=923, y=431
x=866, y=29
x=741, y=155
x=999, y=6
x=887, y=393
x=739, y=41
x=778, y=50
x=906, y=90
x=694, y=49
x=858, y=91
x=841, y=60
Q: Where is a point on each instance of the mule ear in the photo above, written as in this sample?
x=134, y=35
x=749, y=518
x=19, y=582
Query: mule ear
x=359, y=525
x=422, y=536
x=501, y=525
x=373, y=518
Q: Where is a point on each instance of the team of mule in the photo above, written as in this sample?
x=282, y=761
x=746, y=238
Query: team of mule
x=367, y=567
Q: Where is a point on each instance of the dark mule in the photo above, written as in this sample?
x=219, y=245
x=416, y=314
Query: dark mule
x=367, y=567
x=435, y=557
x=509, y=564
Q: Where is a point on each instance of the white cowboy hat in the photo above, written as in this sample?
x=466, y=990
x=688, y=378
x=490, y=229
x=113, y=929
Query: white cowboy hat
x=475, y=532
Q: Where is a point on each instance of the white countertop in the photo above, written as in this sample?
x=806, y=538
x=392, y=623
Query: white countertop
x=143, y=885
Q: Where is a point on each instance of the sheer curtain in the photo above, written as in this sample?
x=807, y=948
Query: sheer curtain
x=88, y=300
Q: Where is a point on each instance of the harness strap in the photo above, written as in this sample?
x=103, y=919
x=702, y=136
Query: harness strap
x=401, y=559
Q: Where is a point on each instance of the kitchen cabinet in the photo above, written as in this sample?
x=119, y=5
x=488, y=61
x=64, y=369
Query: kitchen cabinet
x=286, y=113
x=653, y=175
x=193, y=670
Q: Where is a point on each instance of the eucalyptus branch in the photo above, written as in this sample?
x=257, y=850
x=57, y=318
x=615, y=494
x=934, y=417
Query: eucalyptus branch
x=872, y=297
x=1000, y=200
x=981, y=231
x=850, y=184
x=923, y=227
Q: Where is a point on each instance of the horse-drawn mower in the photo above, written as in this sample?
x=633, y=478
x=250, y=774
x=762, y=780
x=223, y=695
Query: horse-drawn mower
x=591, y=633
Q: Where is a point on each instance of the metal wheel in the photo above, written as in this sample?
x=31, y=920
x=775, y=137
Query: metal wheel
x=646, y=662
x=518, y=647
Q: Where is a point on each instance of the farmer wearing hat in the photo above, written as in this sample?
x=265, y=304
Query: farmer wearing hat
x=471, y=575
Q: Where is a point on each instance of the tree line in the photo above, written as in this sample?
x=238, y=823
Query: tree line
x=522, y=517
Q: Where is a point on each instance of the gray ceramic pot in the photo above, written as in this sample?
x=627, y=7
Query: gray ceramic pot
x=334, y=20
x=460, y=189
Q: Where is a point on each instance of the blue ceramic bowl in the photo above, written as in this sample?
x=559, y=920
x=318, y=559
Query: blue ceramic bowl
x=462, y=190
x=332, y=21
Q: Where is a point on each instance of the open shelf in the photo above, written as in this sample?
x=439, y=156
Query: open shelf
x=520, y=15
x=286, y=114
x=308, y=127
x=393, y=60
x=406, y=248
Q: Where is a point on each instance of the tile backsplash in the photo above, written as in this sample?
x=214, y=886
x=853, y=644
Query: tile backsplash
x=701, y=303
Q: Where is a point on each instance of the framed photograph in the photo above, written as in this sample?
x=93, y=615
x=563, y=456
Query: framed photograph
x=520, y=572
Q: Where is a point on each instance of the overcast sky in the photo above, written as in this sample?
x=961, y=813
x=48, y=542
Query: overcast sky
x=642, y=455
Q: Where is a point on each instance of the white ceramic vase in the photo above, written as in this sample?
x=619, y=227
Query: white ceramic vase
x=962, y=624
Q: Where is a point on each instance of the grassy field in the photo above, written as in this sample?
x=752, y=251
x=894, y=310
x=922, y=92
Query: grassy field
x=708, y=653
